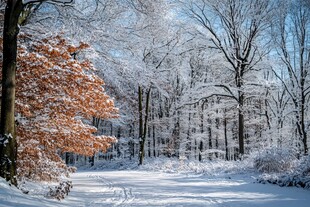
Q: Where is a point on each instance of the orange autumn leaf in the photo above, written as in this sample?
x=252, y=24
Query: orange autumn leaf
x=55, y=96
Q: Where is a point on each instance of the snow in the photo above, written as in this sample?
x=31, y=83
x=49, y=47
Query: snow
x=61, y=1
x=10, y=196
x=141, y=187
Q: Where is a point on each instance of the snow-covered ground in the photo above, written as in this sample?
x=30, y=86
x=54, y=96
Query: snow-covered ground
x=143, y=188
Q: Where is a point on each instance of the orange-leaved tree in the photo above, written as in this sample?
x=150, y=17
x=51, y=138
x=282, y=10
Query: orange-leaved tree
x=56, y=95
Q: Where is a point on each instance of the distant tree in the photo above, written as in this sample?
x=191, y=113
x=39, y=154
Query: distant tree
x=234, y=28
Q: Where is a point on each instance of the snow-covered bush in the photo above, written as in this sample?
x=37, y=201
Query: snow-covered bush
x=287, y=180
x=61, y=191
x=299, y=176
x=275, y=160
x=304, y=166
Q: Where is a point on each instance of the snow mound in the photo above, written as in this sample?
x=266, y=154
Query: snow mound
x=299, y=176
x=8, y=192
x=30, y=194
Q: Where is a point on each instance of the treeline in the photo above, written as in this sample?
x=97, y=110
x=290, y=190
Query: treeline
x=236, y=80
x=191, y=79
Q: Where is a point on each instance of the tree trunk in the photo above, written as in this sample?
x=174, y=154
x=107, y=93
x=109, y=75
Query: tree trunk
x=91, y=160
x=154, y=142
x=201, y=131
x=241, y=130
x=141, y=151
x=217, y=126
x=96, y=123
x=225, y=137
x=239, y=84
x=303, y=129
x=210, y=136
x=143, y=129
x=67, y=158
x=149, y=142
x=8, y=145
x=188, y=148
x=146, y=112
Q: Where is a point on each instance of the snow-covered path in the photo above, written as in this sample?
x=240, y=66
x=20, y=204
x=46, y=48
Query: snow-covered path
x=141, y=188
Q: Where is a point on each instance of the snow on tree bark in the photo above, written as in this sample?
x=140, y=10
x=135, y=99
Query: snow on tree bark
x=8, y=151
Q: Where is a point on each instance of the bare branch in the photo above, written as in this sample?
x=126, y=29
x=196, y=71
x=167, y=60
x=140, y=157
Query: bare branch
x=205, y=98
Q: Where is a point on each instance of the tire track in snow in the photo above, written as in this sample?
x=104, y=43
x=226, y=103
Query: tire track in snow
x=121, y=195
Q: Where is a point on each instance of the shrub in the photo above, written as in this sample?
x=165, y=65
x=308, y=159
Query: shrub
x=61, y=191
x=275, y=160
x=304, y=166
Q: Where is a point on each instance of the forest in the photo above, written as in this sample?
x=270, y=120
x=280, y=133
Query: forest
x=200, y=80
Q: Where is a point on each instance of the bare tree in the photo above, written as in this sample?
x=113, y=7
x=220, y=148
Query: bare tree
x=291, y=35
x=234, y=28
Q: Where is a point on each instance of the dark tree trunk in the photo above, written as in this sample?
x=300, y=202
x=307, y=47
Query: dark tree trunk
x=96, y=123
x=153, y=152
x=239, y=83
x=201, y=131
x=301, y=127
x=210, y=137
x=200, y=150
x=141, y=151
x=225, y=137
x=217, y=126
x=143, y=129
x=188, y=139
x=8, y=145
x=154, y=142
x=149, y=141
x=304, y=131
x=131, y=142
x=91, y=160
x=146, y=113
x=67, y=158
x=241, y=131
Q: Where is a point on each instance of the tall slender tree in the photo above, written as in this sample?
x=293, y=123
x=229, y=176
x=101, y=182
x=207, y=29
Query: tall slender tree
x=291, y=33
